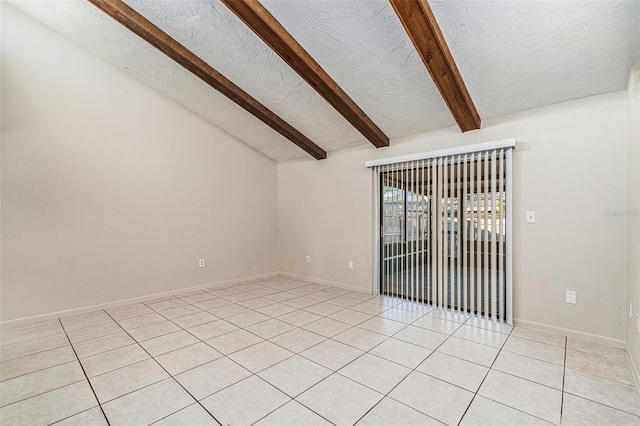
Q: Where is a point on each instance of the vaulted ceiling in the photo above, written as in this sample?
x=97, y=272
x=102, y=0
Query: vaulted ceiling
x=512, y=56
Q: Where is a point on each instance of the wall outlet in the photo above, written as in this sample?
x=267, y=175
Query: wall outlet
x=351, y=264
x=571, y=297
x=201, y=263
x=307, y=259
x=630, y=310
x=531, y=217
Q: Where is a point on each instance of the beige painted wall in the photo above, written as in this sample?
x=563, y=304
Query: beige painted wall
x=633, y=212
x=111, y=190
x=569, y=167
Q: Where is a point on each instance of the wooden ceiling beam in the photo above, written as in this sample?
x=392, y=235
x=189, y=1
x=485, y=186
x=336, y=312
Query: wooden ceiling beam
x=423, y=30
x=260, y=20
x=138, y=24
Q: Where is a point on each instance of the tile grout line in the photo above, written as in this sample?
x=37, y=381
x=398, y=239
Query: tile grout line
x=485, y=377
x=416, y=367
x=85, y=374
x=170, y=375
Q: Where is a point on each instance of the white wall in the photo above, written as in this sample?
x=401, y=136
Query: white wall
x=633, y=212
x=111, y=190
x=569, y=167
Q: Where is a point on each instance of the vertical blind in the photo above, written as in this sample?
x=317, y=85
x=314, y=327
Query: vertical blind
x=443, y=227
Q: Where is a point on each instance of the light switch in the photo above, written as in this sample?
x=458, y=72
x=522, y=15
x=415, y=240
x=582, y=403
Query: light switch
x=531, y=217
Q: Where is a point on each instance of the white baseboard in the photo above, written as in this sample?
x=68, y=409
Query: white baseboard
x=595, y=338
x=325, y=282
x=634, y=367
x=122, y=302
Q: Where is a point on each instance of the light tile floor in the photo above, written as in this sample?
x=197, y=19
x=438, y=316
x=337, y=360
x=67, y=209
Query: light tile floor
x=281, y=351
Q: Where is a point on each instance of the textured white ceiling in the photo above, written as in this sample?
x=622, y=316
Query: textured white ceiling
x=513, y=55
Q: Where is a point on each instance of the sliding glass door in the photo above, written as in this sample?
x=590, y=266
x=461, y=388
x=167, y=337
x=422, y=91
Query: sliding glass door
x=443, y=231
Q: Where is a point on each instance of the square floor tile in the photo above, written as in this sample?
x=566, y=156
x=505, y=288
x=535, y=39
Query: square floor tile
x=270, y=328
x=401, y=315
x=128, y=311
x=523, y=395
x=234, y=341
x=331, y=354
x=229, y=311
x=168, y=342
x=197, y=297
x=28, y=385
x=375, y=372
x=539, y=336
x=260, y=356
x=90, y=417
x=193, y=320
x=607, y=392
x=340, y=400
x=210, y=304
x=166, y=304
x=401, y=352
x=153, y=330
x=421, y=337
x=481, y=335
x=324, y=309
x=534, y=349
x=148, y=404
x=293, y=414
x=440, y=400
x=470, y=351
x=276, y=310
x=180, y=311
x=369, y=308
x=140, y=321
x=245, y=402
x=88, y=333
x=30, y=347
x=211, y=377
x=391, y=412
x=500, y=327
x=579, y=411
x=34, y=362
x=116, y=383
x=453, y=370
x=112, y=360
x=191, y=415
x=600, y=366
x=294, y=375
x=483, y=411
x=300, y=302
x=327, y=327
x=449, y=315
x=212, y=329
x=579, y=345
x=299, y=318
x=51, y=406
x=102, y=344
x=437, y=324
x=85, y=320
x=186, y=358
x=248, y=318
x=360, y=338
x=260, y=301
x=542, y=372
x=382, y=325
x=297, y=340
x=350, y=317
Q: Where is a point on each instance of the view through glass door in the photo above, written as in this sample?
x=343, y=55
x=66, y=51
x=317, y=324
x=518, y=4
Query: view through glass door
x=442, y=233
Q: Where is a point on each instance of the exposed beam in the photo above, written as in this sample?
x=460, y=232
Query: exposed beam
x=423, y=30
x=256, y=17
x=138, y=24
